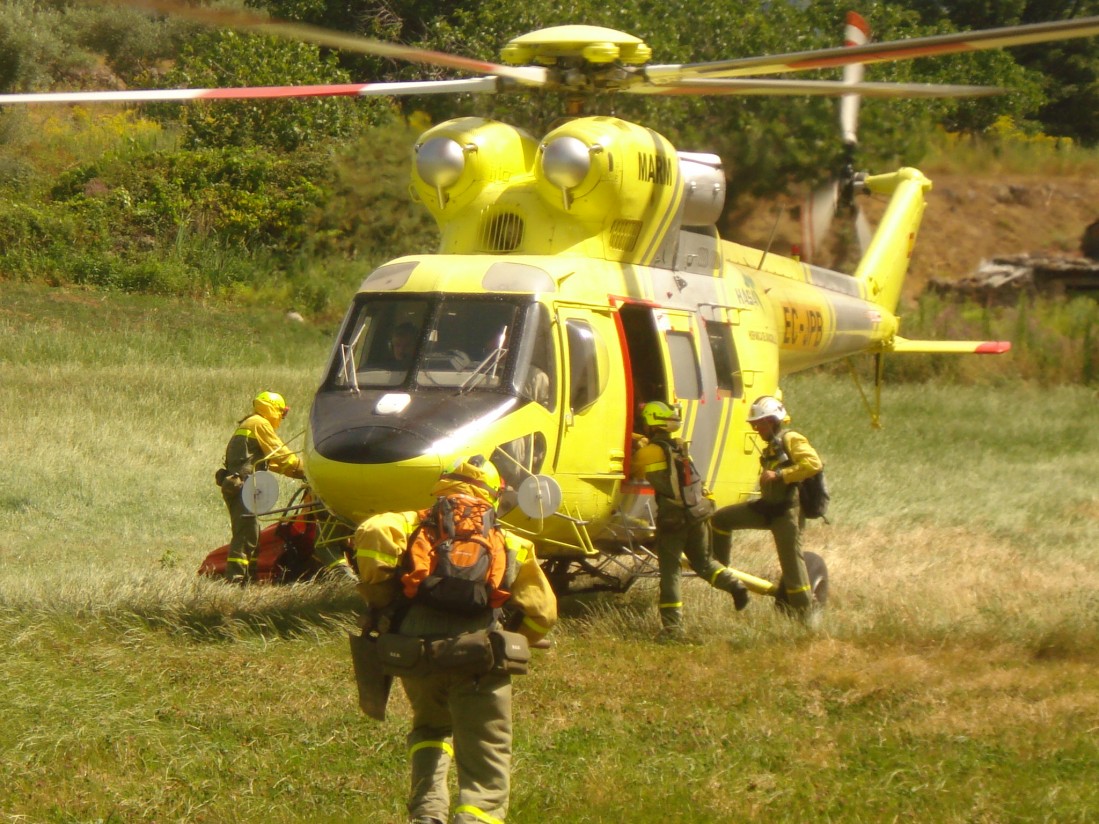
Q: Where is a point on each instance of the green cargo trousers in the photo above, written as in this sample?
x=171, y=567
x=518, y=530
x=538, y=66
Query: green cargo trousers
x=466, y=718
x=244, y=544
x=692, y=540
x=785, y=526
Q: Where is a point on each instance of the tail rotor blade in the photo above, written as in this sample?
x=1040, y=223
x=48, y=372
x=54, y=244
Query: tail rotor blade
x=855, y=33
x=862, y=230
x=816, y=219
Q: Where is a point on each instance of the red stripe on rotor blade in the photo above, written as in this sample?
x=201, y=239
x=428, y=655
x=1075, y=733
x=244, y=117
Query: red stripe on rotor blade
x=993, y=347
x=857, y=21
x=259, y=92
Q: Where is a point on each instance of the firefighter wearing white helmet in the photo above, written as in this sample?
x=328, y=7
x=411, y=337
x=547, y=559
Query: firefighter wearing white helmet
x=460, y=713
x=254, y=445
x=683, y=508
x=786, y=459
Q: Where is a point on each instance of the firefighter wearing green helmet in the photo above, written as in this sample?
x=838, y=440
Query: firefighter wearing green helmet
x=254, y=445
x=787, y=458
x=683, y=509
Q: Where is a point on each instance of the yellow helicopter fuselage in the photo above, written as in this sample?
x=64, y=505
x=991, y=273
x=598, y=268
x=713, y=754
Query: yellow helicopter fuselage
x=577, y=278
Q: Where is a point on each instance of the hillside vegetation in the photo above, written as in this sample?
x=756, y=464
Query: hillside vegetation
x=287, y=202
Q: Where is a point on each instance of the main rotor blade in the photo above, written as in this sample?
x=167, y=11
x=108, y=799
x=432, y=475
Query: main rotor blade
x=931, y=46
x=817, y=88
x=237, y=19
x=477, y=85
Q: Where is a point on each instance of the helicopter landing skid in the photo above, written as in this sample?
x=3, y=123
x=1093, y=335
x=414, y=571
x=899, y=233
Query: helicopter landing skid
x=608, y=571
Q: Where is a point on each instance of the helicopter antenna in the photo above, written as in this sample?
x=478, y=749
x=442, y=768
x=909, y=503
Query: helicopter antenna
x=771, y=239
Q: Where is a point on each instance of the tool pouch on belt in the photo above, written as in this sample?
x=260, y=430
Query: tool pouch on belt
x=470, y=652
x=702, y=509
x=511, y=652
x=219, y=476
x=402, y=655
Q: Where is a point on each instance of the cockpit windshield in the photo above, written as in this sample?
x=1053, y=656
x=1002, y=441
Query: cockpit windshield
x=464, y=343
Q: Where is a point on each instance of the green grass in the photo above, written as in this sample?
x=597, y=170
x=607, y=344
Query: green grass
x=955, y=678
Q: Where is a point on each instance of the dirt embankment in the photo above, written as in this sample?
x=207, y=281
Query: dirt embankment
x=967, y=220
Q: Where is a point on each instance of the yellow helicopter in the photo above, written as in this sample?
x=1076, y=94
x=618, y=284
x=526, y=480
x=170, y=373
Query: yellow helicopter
x=580, y=274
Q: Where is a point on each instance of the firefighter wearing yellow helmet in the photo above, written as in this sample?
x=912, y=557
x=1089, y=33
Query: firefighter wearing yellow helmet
x=683, y=509
x=461, y=714
x=253, y=446
x=787, y=458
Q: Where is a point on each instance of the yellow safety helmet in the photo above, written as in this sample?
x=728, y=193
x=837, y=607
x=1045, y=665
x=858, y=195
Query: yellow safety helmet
x=478, y=473
x=266, y=402
x=767, y=406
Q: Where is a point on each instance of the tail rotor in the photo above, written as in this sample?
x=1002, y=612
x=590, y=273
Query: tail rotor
x=837, y=197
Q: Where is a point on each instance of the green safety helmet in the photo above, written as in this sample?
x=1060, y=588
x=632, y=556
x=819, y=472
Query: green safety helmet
x=661, y=416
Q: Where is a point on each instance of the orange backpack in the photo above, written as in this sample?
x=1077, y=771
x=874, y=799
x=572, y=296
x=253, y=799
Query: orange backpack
x=456, y=558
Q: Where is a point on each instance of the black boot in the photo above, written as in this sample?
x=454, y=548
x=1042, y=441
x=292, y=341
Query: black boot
x=736, y=588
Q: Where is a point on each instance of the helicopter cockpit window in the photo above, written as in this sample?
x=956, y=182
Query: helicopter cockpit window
x=588, y=365
x=681, y=349
x=467, y=344
x=726, y=364
x=380, y=343
x=464, y=343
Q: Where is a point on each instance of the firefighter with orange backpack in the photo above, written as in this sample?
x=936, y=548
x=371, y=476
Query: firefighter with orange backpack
x=441, y=599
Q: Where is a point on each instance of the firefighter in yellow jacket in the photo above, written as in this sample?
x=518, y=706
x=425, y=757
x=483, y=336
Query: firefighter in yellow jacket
x=254, y=445
x=456, y=715
x=786, y=459
x=683, y=509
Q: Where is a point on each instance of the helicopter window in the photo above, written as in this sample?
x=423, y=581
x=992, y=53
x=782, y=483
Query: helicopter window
x=467, y=345
x=726, y=365
x=463, y=343
x=379, y=343
x=685, y=375
x=588, y=363
x=535, y=374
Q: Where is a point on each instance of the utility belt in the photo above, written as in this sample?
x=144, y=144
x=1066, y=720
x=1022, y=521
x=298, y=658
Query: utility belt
x=677, y=515
x=471, y=653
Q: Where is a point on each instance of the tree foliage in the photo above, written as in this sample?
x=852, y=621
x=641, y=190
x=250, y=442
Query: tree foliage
x=1065, y=75
x=228, y=58
x=226, y=184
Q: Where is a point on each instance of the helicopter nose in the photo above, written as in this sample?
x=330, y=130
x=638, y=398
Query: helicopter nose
x=372, y=445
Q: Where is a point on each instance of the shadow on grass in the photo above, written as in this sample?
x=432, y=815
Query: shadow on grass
x=198, y=608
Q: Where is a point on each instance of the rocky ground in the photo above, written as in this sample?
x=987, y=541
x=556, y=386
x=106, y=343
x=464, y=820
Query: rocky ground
x=967, y=220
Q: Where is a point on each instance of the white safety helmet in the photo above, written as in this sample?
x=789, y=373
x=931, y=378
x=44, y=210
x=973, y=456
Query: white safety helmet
x=767, y=406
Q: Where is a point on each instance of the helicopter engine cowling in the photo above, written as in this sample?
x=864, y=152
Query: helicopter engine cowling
x=594, y=186
x=459, y=162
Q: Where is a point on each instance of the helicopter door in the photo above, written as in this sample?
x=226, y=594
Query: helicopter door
x=593, y=433
x=688, y=359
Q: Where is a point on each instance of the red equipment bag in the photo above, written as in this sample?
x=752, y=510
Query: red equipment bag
x=285, y=552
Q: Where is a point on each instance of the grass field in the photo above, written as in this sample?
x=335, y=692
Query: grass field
x=956, y=677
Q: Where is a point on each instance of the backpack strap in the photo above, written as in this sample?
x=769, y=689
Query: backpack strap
x=672, y=452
